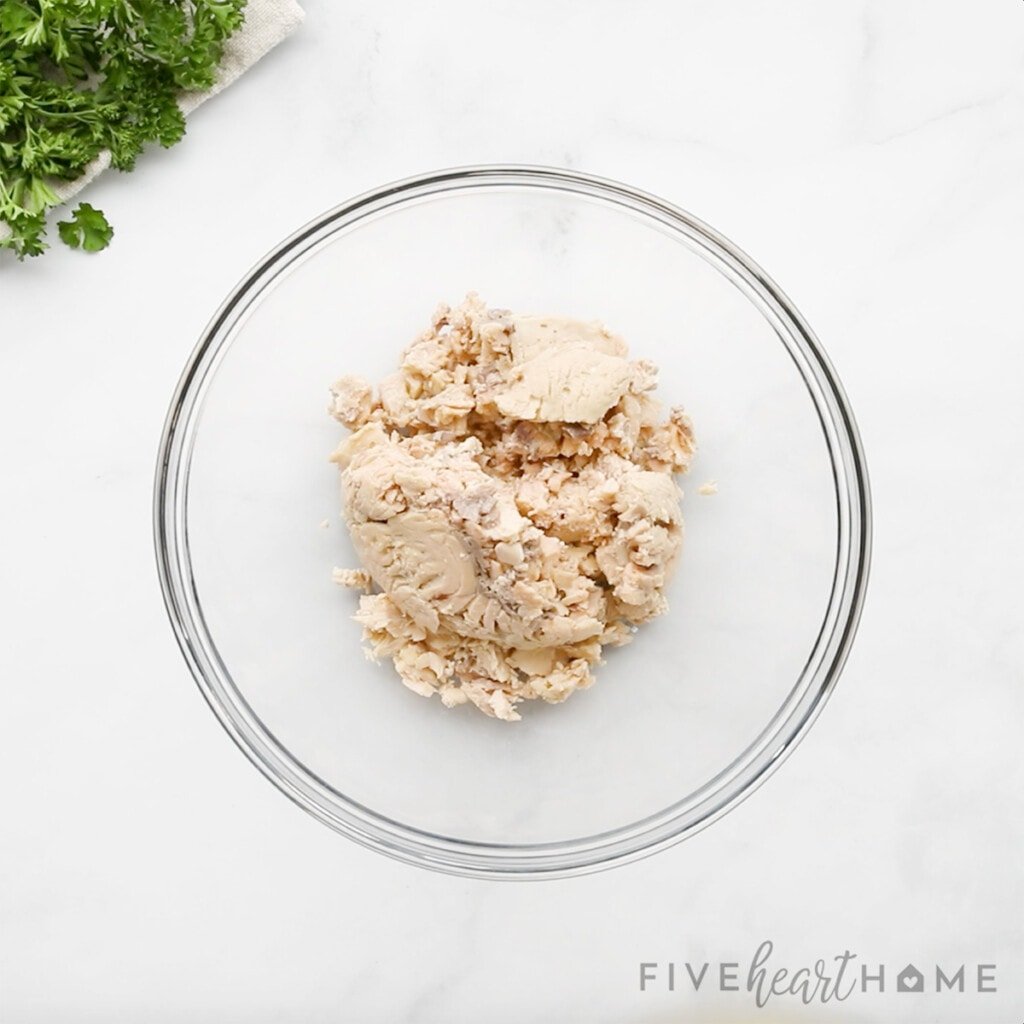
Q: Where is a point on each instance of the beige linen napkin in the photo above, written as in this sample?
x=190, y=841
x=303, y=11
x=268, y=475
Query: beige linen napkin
x=266, y=23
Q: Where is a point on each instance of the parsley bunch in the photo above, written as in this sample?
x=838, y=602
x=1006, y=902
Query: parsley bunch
x=78, y=77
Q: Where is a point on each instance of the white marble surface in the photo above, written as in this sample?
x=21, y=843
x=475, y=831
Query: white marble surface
x=871, y=156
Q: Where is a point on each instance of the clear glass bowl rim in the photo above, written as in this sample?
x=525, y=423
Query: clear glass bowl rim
x=542, y=860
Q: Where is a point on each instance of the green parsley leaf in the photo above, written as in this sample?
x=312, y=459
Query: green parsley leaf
x=87, y=228
x=78, y=77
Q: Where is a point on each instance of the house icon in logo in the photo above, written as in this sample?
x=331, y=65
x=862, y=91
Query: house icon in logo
x=910, y=979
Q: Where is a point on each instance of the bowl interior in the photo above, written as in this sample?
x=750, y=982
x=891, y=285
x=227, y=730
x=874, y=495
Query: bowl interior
x=670, y=711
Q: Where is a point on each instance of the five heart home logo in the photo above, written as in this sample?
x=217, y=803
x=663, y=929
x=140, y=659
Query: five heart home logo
x=823, y=981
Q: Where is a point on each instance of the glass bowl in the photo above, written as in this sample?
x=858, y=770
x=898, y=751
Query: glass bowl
x=681, y=724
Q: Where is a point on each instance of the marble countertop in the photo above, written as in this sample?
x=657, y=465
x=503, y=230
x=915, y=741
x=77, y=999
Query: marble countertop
x=871, y=157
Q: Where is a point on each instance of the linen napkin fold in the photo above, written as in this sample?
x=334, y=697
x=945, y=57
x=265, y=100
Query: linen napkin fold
x=267, y=22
